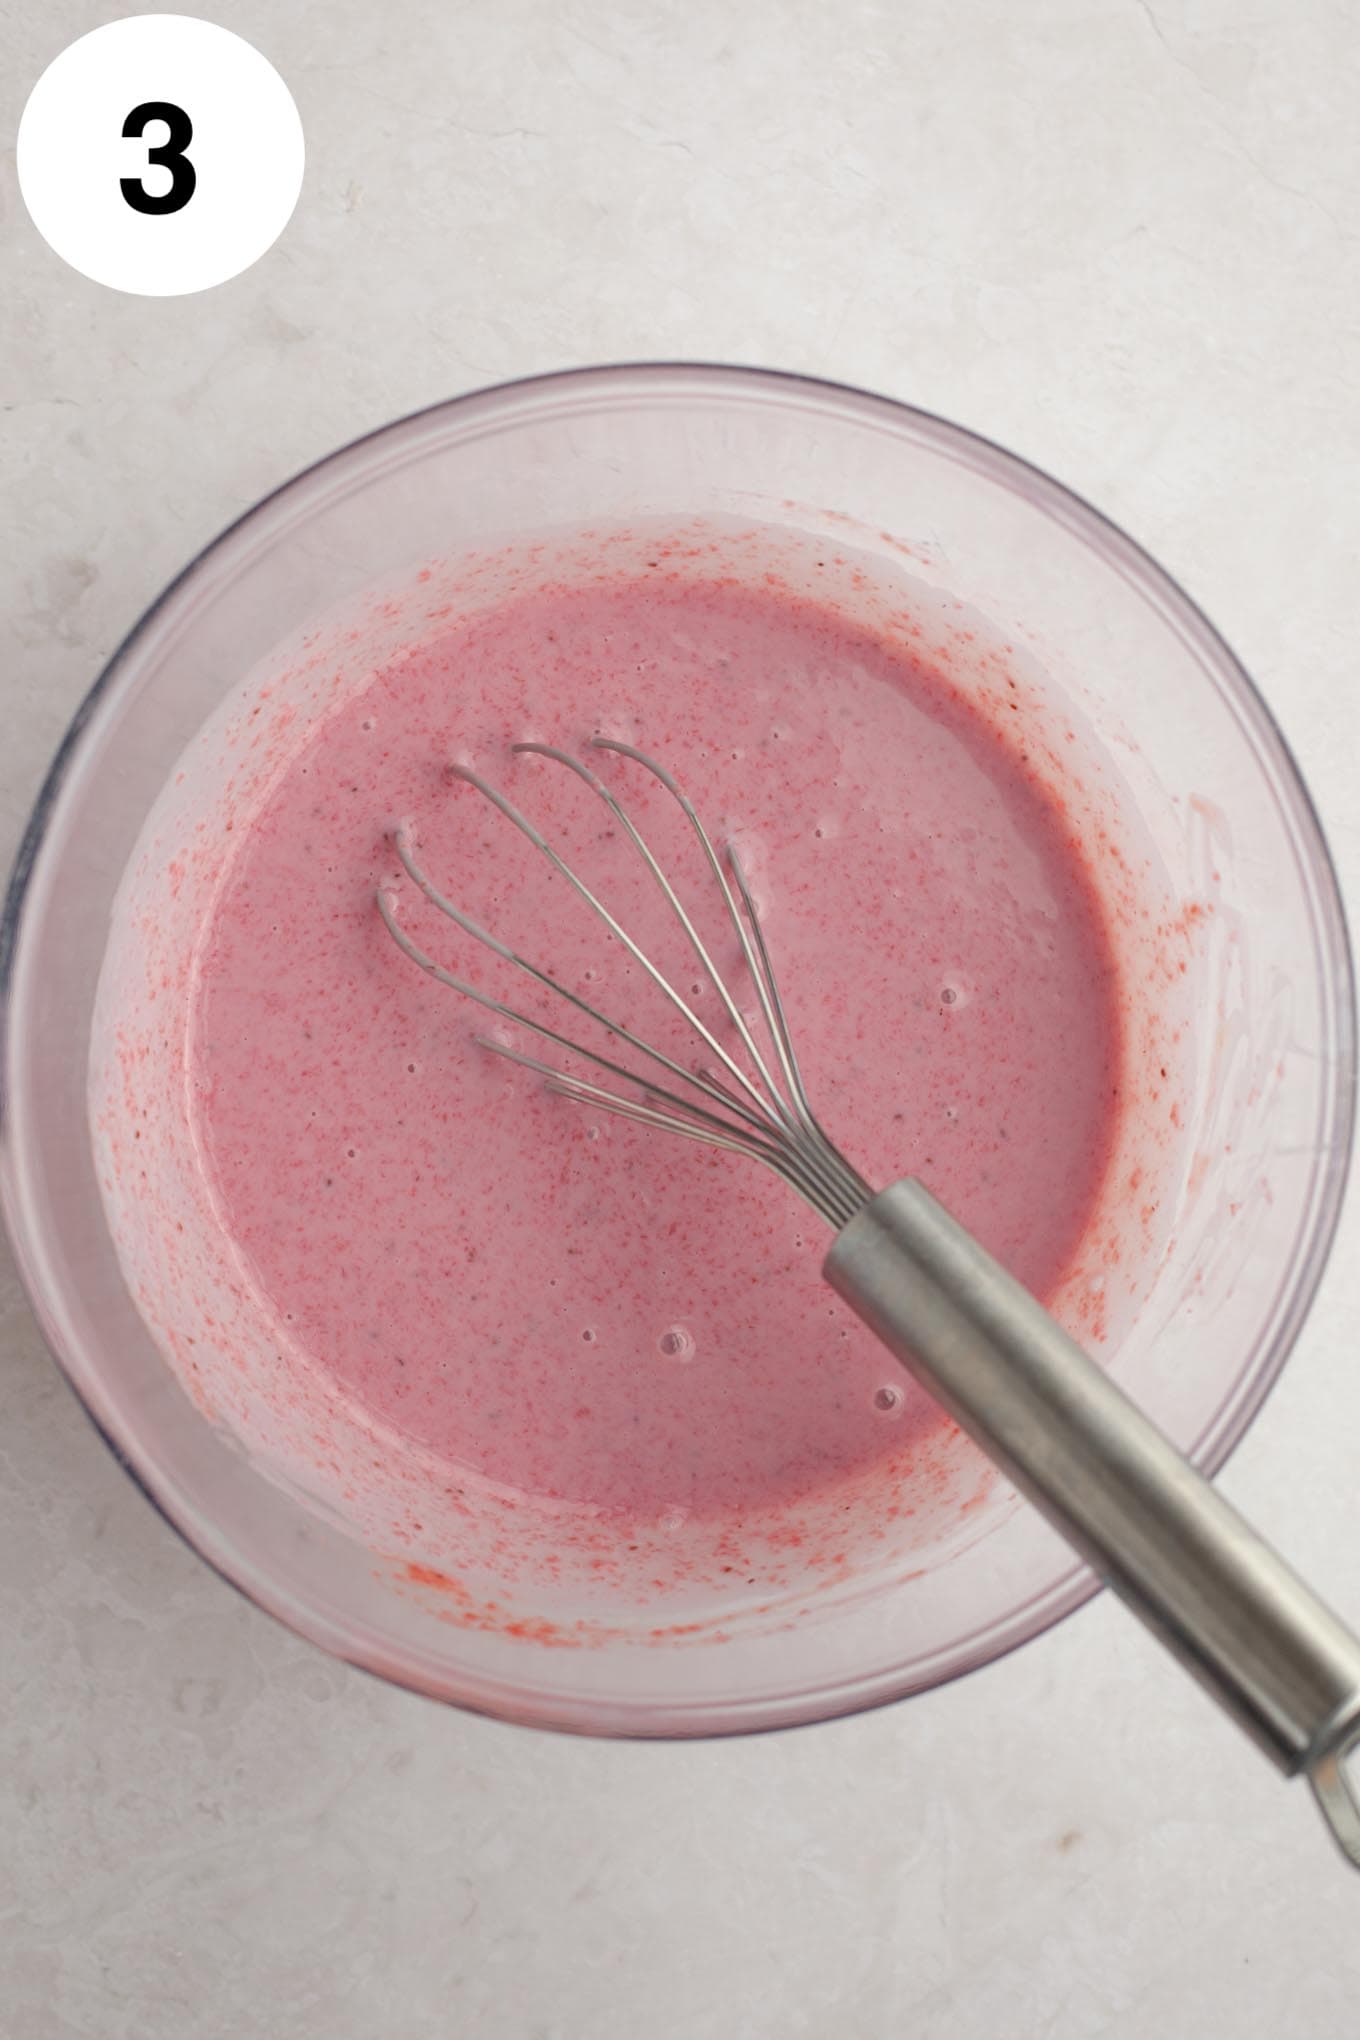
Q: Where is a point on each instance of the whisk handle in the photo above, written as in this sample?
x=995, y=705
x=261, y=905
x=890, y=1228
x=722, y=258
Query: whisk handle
x=1272, y=1654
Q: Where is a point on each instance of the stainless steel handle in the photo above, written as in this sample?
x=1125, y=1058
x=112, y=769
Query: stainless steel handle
x=1272, y=1654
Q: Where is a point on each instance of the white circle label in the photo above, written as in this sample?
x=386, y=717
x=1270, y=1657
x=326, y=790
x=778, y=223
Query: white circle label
x=160, y=155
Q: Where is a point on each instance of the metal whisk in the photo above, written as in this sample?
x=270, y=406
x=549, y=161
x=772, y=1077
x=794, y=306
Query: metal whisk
x=1271, y=1653
x=759, y=1108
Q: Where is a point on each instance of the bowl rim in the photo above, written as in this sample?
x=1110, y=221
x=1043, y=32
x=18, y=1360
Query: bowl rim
x=685, y=379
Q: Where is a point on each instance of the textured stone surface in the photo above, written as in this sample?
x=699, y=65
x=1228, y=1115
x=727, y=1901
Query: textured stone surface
x=1118, y=237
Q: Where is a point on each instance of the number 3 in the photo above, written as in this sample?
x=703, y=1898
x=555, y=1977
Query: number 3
x=169, y=153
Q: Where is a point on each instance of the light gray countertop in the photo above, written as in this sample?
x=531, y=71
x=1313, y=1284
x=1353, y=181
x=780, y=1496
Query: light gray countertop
x=1119, y=237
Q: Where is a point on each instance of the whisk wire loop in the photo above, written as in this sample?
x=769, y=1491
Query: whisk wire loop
x=762, y=1112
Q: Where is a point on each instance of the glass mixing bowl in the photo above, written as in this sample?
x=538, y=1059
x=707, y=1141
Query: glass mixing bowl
x=1218, y=798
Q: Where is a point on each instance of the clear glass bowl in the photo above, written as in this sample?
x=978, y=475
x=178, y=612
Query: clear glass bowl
x=1215, y=787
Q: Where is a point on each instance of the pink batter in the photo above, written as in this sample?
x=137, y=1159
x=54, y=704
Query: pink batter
x=565, y=1304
